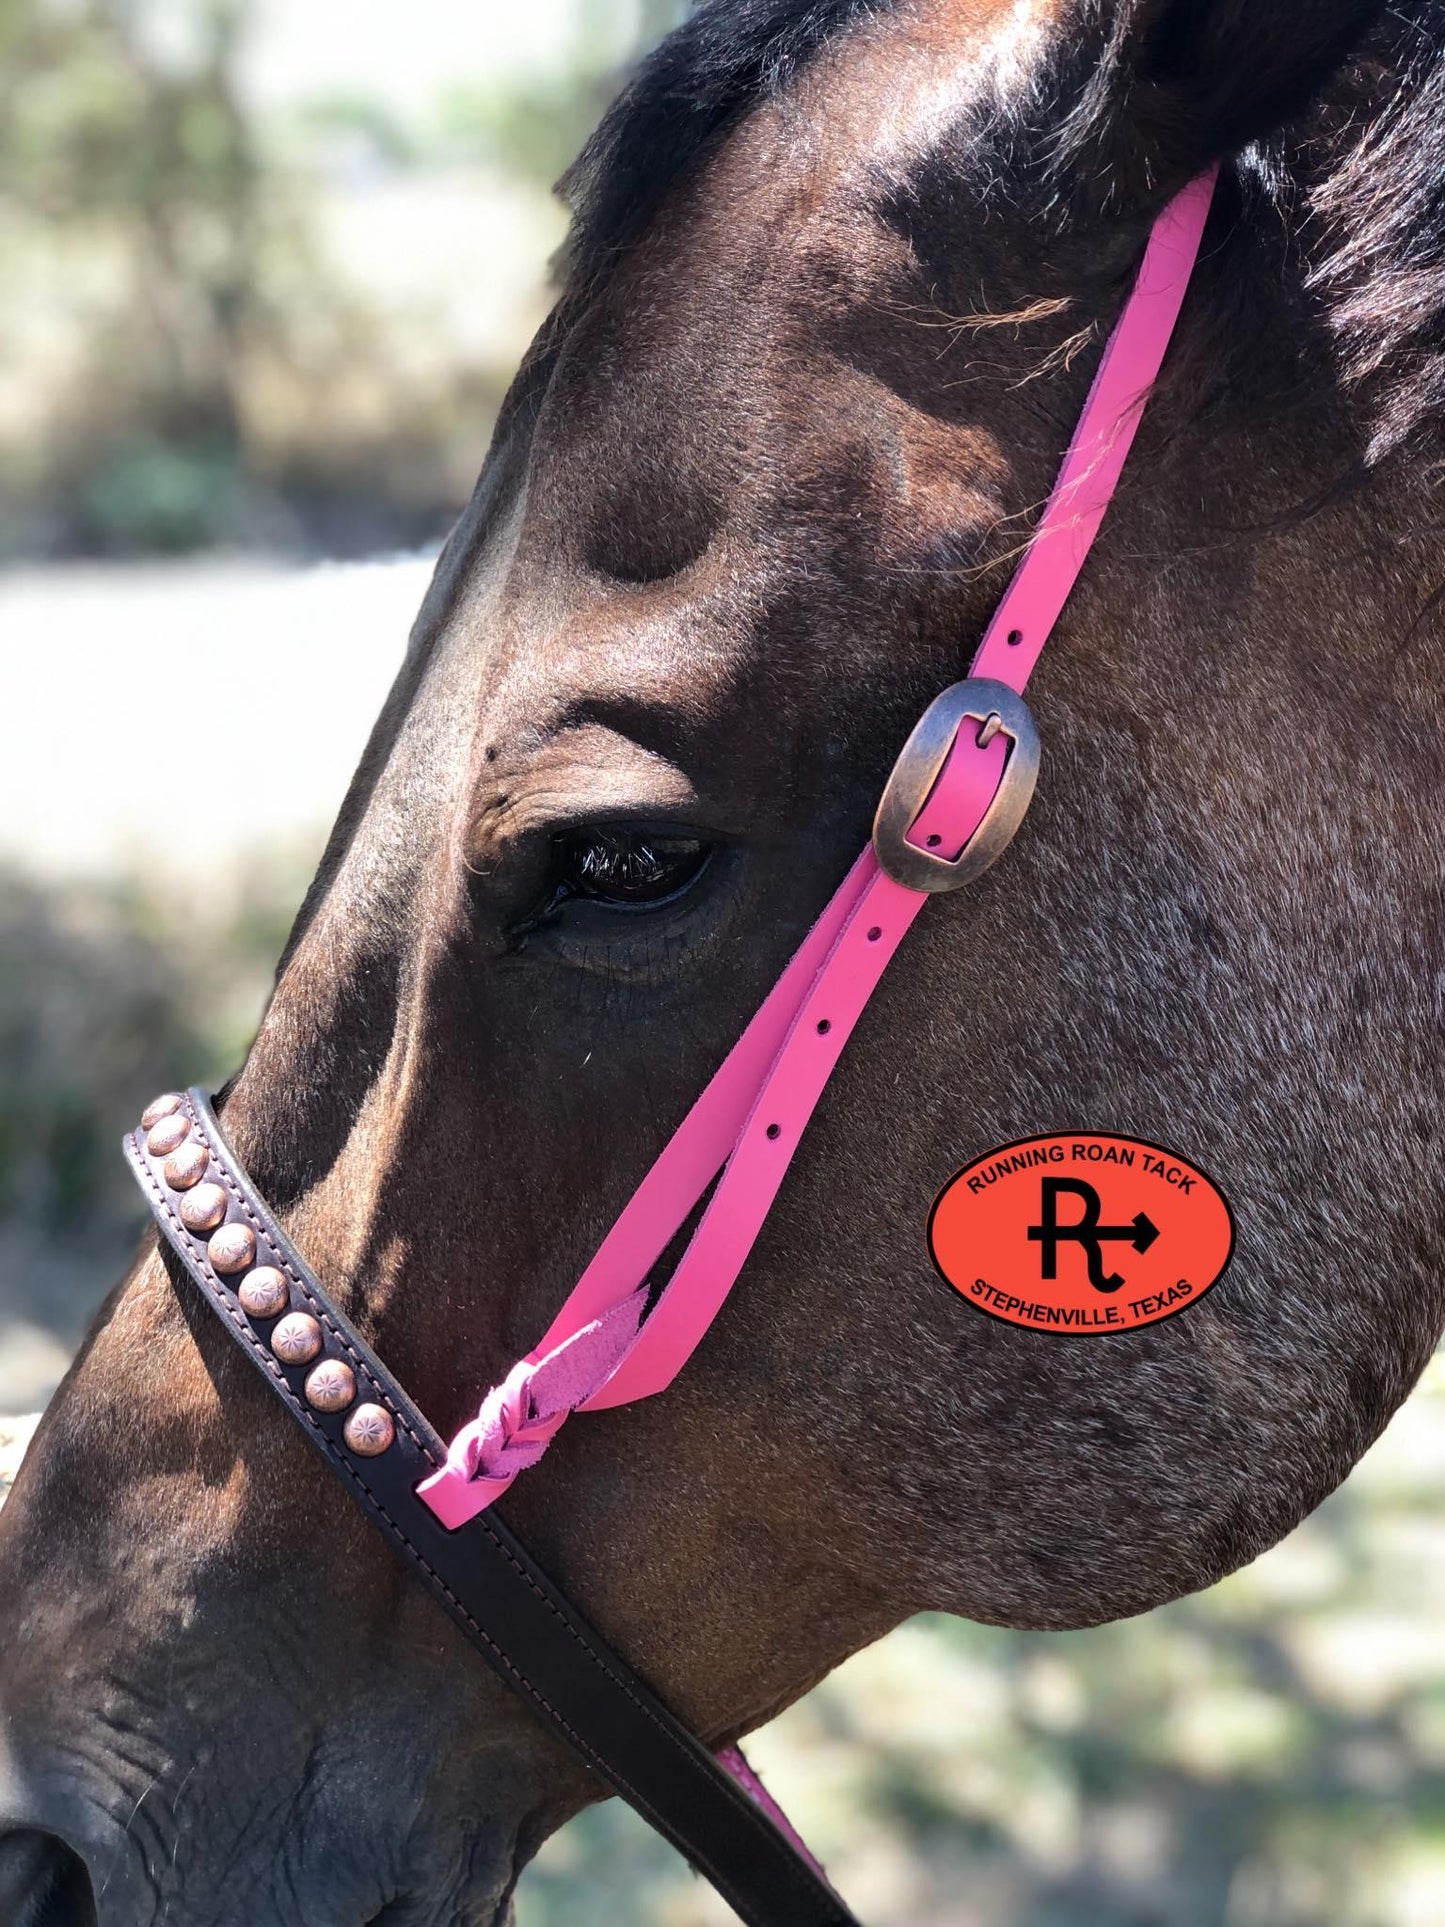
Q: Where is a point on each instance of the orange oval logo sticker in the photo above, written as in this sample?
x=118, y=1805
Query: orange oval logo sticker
x=1081, y=1233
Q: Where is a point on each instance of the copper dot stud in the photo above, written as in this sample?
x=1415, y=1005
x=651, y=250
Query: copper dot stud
x=168, y=1134
x=187, y=1166
x=330, y=1386
x=203, y=1208
x=369, y=1431
x=264, y=1293
x=160, y=1107
x=232, y=1248
x=296, y=1339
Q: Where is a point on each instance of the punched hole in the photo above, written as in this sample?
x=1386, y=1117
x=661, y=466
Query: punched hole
x=1015, y=637
x=825, y=1024
x=775, y=1130
x=934, y=841
x=875, y=933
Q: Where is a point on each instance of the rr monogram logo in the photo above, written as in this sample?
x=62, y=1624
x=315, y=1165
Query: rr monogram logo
x=1085, y=1230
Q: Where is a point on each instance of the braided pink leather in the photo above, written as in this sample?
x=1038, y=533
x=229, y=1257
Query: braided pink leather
x=600, y=1351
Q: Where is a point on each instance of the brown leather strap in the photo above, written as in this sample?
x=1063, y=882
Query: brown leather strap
x=370, y=1433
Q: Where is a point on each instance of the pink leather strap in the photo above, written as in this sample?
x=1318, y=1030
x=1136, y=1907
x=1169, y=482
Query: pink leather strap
x=734, y=1761
x=599, y=1350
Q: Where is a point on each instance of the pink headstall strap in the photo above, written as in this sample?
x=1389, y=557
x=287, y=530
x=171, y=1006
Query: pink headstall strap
x=600, y=1350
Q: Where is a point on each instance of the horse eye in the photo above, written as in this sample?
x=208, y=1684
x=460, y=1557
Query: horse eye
x=627, y=869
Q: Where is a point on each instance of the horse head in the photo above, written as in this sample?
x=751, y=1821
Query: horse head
x=834, y=296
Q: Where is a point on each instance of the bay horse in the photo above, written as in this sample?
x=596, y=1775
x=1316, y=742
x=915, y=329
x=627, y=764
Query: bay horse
x=833, y=297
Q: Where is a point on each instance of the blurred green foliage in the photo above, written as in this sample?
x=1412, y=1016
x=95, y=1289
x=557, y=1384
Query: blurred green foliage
x=214, y=374
x=108, y=991
x=97, y=126
x=146, y=494
x=150, y=162
x=531, y=126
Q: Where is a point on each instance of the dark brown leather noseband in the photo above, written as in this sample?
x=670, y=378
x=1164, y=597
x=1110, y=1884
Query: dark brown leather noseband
x=361, y=1421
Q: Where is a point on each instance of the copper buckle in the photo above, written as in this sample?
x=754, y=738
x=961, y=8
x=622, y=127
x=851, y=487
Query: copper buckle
x=996, y=709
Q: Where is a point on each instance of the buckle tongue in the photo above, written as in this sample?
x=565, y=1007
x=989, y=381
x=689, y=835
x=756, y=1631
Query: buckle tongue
x=996, y=709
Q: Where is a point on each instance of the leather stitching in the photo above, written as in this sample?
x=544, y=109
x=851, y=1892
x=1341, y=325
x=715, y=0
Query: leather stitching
x=189, y=1251
x=309, y=1290
x=745, y=1808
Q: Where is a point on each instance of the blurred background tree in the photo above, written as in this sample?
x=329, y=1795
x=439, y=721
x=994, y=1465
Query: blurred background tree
x=190, y=351
x=135, y=164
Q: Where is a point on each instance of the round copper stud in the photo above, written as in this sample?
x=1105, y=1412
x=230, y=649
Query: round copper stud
x=160, y=1107
x=264, y=1294
x=330, y=1386
x=296, y=1339
x=232, y=1248
x=369, y=1431
x=203, y=1208
x=187, y=1166
x=164, y=1137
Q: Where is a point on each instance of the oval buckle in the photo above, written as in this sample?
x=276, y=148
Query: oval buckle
x=997, y=710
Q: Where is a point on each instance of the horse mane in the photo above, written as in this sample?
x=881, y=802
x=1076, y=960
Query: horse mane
x=1381, y=277
x=1355, y=189
x=1352, y=184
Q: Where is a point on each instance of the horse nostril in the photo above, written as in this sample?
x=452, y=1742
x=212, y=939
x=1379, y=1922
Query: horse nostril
x=43, y=1883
